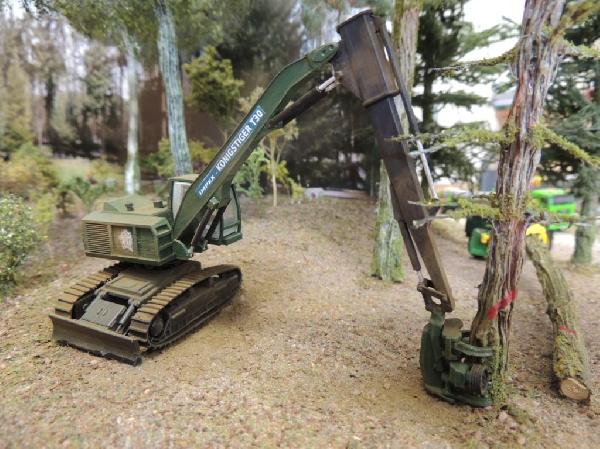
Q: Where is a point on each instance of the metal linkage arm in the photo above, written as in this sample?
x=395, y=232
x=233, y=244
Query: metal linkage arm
x=369, y=69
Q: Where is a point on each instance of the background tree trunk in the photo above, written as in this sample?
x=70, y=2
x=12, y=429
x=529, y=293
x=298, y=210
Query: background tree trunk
x=273, y=163
x=587, y=185
x=132, y=167
x=387, y=250
x=535, y=67
x=570, y=361
x=169, y=68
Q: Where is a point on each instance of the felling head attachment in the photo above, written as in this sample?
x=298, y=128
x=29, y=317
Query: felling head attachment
x=452, y=368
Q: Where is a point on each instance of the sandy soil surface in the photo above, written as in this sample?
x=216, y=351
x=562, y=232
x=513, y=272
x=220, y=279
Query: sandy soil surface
x=312, y=353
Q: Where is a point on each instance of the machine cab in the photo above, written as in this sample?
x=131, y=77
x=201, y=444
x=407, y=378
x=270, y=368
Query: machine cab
x=224, y=225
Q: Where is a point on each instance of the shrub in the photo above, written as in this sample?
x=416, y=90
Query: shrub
x=103, y=172
x=29, y=171
x=247, y=179
x=83, y=189
x=201, y=155
x=161, y=161
x=18, y=237
x=214, y=88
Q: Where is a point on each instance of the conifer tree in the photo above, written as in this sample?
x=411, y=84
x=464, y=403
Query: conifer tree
x=574, y=112
x=444, y=39
x=18, y=107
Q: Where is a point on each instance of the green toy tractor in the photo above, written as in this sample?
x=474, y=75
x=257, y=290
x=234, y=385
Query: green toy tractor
x=552, y=200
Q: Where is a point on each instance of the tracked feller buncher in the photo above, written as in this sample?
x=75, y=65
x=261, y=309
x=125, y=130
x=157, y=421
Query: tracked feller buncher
x=155, y=293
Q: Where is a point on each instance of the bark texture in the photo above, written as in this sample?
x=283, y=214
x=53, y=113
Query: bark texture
x=535, y=64
x=386, y=262
x=570, y=359
x=169, y=67
x=132, y=166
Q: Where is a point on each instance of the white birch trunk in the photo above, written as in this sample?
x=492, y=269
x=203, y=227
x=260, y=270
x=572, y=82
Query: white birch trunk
x=132, y=167
x=169, y=68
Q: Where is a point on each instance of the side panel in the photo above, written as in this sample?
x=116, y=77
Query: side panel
x=128, y=237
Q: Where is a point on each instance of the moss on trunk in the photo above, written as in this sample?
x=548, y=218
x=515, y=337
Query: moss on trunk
x=386, y=262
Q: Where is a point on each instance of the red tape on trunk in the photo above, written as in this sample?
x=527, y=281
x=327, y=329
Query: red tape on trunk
x=502, y=304
x=566, y=330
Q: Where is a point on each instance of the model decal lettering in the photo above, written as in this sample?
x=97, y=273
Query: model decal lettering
x=244, y=133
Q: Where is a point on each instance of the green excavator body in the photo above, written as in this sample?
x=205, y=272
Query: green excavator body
x=156, y=292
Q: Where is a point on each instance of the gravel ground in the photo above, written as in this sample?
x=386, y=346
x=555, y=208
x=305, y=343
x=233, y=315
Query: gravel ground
x=312, y=353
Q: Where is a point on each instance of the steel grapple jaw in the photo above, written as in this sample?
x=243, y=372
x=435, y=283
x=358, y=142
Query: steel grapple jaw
x=453, y=369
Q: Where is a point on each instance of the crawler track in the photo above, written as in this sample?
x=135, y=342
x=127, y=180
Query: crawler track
x=175, y=310
x=184, y=305
x=69, y=298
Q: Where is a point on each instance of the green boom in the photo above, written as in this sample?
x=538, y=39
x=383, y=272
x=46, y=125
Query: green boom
x=214, y=181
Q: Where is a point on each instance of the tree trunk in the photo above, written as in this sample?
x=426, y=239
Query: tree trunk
x=570, y=360
x=387, y=251
x=386, y=263
x=132, y=167
x=274, y=180
x=586, y=235
x=587, y=186
x=169, y=68
x=535, y=67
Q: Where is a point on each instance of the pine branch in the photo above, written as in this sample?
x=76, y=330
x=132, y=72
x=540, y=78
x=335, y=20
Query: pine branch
x=575, y=13
x=490, y=207
x=459, y=136
x=455, y=70
x=540, y=135
x=581, y=51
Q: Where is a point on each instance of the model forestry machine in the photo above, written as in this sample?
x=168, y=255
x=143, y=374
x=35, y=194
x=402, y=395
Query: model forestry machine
x=156, y=293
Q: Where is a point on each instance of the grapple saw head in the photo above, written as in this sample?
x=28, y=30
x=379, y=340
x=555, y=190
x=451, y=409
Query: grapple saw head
x=453, y=369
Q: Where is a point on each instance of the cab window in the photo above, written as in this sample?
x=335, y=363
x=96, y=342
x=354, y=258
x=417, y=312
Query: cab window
x=179, y=190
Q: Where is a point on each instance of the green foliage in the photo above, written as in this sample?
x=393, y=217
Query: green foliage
x=214, y=88
x=573, y=104
x=201, y=155
x=31, y=175
x=541, y=135
x=18, y=237
x=264, y=37
x=444, y=39
x=3, y=107
x=296, y=190
x=498, y=391
x=29, y=171
x=582, y=51
x=83, y=189
x=100, y=178
x=161, y=161
x=247, y=179
x=62, y=117
x=104, y=172
x=17, y=109
x=460, y=136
